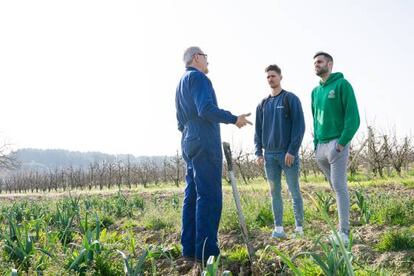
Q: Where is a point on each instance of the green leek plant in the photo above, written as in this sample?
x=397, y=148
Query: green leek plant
x=212, y=267
x=20, y=247
x=324, y=201
x=363, y=206
x=63, y=219
x=132, y=269
x=90, y=247
x=333, y=260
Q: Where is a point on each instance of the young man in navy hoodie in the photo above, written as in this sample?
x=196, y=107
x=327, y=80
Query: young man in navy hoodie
x=280, y=126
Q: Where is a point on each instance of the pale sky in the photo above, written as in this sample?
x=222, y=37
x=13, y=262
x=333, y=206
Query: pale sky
x=101, y=75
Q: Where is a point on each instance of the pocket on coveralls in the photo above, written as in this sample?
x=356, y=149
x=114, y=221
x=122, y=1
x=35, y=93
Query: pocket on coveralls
x=192, y=146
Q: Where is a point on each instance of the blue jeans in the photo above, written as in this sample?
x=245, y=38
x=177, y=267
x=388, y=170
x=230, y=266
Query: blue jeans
x=274, y=165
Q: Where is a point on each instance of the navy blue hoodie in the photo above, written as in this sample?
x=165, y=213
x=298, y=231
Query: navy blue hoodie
x=279, y=128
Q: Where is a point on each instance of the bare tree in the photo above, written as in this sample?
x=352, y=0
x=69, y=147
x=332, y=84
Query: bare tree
x=308, y=162
x=399, y=153
x=8, y=159
x=144, y=172
x=176, y=169
x=376, y=154
x=239, y=159
x=128, y=173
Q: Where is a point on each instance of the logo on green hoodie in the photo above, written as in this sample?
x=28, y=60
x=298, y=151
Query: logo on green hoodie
x=331, y=94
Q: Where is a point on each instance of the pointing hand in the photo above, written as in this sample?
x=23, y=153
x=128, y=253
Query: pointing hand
x=242, y=121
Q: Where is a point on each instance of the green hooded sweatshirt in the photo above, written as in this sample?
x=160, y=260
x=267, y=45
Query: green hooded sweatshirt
x=334, y=110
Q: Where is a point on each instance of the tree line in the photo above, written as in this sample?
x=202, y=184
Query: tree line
x=377, y=155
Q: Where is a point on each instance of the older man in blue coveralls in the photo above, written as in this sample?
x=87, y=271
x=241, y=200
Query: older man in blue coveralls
x=198, y=119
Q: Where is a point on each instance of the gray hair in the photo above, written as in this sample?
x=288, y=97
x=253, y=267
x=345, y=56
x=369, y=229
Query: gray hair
x=190, y=53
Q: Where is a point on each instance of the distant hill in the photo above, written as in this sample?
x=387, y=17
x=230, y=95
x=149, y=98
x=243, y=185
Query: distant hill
x=38, y=159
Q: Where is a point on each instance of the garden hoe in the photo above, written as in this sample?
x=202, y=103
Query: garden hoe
x=227, y=153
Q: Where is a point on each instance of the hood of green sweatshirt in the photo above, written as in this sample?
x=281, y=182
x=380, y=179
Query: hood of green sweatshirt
x=332, y=77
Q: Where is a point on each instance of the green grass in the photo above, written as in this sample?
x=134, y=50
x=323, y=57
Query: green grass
x=238, y=254
x=138, y=219
x=156, y=223
x=308, y=267
x=374, y=271
x=397, y=240
x=389, y=210
x=264, y=217
x=408, y=183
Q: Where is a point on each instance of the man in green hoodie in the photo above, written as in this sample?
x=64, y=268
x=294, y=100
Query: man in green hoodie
x=335, y=122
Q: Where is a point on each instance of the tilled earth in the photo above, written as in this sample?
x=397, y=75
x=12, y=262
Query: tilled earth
x=365, y=239
x=363, y=249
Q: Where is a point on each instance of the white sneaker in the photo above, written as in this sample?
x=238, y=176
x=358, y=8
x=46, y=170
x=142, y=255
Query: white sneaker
x=342, y=236
x=299, y=233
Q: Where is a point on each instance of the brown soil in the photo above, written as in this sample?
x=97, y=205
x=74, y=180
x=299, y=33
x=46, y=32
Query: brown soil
x=365, y=238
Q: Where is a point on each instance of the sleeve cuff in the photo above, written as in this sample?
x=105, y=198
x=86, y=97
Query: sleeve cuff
x=234, y=119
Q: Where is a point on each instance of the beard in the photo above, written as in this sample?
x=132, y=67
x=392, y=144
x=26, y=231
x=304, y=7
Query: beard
x=322, y=71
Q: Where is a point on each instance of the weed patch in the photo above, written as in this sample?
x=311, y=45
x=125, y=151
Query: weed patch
x=391, y=211
x=396, y=241
x=238, y=254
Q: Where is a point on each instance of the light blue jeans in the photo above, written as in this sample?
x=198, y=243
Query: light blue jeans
x=274, y=165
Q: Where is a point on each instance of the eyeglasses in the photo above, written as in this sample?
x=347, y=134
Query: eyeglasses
x=200, y=54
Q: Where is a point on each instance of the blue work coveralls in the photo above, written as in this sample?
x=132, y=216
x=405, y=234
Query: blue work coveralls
x=198, y=119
